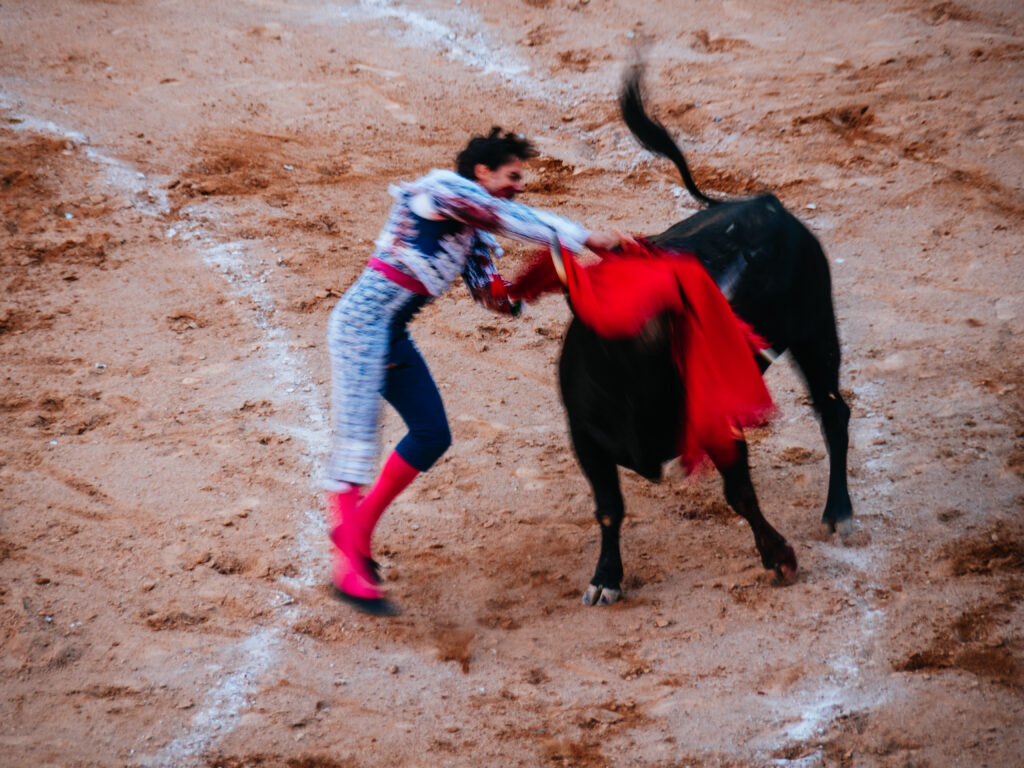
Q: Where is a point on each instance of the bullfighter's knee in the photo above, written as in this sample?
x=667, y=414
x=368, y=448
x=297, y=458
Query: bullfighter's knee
x=422, y=449
x=436, y=445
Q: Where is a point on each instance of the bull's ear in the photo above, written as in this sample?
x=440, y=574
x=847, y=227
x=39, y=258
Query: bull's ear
x=556, y=259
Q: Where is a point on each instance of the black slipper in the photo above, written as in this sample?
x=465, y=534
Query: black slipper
x=375, y=606
x=374, y=567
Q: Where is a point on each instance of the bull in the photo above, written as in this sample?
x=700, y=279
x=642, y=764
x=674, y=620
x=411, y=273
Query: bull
x=623, y=396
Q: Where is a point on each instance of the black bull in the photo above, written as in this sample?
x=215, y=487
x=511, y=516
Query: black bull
x=623, y=396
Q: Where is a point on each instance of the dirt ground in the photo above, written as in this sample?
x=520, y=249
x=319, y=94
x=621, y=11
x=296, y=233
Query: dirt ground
x=188, y=187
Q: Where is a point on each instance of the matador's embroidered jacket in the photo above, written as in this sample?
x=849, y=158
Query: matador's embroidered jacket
x=443, y=225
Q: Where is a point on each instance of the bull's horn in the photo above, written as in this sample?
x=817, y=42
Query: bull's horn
x=556, y=258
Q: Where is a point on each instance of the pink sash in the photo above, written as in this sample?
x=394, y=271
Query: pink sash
x=406, y=281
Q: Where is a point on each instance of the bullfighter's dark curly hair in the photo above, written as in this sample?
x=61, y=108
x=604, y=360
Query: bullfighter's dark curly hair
x=493, y=150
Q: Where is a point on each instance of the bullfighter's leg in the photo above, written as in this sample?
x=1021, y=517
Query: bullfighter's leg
x=819, y=361
x=775, y=553
x=606, y=585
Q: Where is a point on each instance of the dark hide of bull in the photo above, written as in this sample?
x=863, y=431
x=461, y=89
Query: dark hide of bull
x=623, y=396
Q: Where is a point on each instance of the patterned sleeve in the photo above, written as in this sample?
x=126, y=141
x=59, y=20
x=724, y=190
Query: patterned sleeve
x=485, y=284
x=469, y=203
x=480, y=269
x=487, y=242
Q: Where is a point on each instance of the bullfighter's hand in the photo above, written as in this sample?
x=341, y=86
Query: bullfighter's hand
x=606, y=240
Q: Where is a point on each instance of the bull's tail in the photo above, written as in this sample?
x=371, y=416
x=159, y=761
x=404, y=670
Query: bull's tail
x=651, y=134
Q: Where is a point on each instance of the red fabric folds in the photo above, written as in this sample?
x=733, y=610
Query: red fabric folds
x=713, y=349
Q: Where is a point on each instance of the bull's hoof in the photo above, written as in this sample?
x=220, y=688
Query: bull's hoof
x=784, y=575
x=786, y=568
x=596, y=595
x=844, y=527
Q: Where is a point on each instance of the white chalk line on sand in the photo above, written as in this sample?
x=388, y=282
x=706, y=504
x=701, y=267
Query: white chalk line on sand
x=456, y=33
x=252, y=658
x=462, y=42
x=223, y=705
x=843, y=689
x=457, y=36
x=290, y=380
x=149, y=197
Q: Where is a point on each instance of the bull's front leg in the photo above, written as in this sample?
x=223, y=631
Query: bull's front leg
x=776, y=554
x=605, y=587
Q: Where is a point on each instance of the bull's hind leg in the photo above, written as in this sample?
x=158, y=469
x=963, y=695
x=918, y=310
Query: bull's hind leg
x=819, y=361
x=605, y=587
x=776, y=554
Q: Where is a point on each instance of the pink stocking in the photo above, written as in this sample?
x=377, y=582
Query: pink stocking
x=394, y=478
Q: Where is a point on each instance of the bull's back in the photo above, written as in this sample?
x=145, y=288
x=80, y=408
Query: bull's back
x=765, y=260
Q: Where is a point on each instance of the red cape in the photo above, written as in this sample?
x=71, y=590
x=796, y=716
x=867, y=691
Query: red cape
x=713, y=349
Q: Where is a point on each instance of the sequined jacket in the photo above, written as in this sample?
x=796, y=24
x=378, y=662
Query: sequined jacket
x=442, y=226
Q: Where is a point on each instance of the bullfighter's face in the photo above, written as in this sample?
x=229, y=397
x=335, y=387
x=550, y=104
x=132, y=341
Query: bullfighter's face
x=505, y=181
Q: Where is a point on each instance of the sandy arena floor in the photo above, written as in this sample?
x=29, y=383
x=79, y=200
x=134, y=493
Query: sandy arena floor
x=185, y=190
